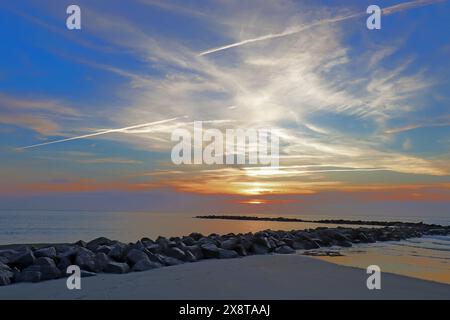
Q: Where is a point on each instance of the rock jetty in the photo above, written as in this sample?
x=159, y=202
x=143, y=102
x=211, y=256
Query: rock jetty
x=102, y=255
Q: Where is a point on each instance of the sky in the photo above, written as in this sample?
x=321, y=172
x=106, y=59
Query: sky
x=362, y=115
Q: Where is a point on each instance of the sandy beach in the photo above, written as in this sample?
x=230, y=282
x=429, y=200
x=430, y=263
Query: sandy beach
x=253, y=277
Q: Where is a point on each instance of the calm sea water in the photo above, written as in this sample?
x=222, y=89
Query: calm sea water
x=426, y=258
x=70, y=226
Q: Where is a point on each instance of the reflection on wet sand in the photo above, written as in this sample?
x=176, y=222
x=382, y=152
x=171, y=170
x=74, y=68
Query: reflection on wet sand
x=425, y=258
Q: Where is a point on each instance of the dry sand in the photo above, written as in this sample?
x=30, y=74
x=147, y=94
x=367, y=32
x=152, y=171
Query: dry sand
x=254, y=277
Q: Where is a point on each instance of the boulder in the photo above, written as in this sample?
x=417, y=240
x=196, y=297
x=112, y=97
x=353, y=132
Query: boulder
x=6, y=276
x=63, y=264
x=81, y=243
x=138, y=246
x=8, y=253
x=85, y=261
x=153, y=248
x=116, y=267
x=240, y=249
x=155, y=257
x=190, y=257
x=259, y=249
x=310, y=245
x=169, y=261
x=101, y=260
x=94, y=244
x=196, y=251
x=103, y=248
x=246, y=242
x=49, y=252
x=27, y=276
x=284, y=250
x=189, y=241
x=143, y=265
x=22, y=260
x=262, y=241
x=210, y=250
x=46, y=267
x=344, y=243
x=66, y=252
x=135, y=255
x=229, y=244
x=117, y=251
x=227, y=254
x=175, y=252
x=196, y=236
x=44, y=261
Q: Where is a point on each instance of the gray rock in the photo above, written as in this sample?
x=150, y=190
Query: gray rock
x=262, y=241
x=93, y=244
x=155, y=257
x=105, y=249
x=176, y=253
x=196, y=251
x=138, y=246
x=45, y=261
x=259, y=249
x=284, y=250
x=227, y=254
x=22, y=260
x=196, y=236
x=4, y=266
x=117, y=267
x=230, y=244
x=154, y=248
x=344, y=243
x=169, y=261
x=84, y=251
x=85, y=261
x=81, y=243
x=49, y=252
x=117, y=251
x=135, y=255
x=63, y=263
x=8, y=253
x=5, y=277
x=305, y=241
x=210, y=250
x=189, y=241
x=143, y=265
x=28, y=276
x=101, y=260
x=190, y=257
x=66, y=252
x=240, y=249
x=46, y=267
x=310, y=245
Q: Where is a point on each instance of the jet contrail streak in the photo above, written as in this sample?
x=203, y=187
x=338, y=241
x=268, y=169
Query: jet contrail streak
x=101, y=133
x=385, y=11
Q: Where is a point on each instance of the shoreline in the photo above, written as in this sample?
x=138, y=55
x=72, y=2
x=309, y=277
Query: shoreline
x=45, y=262
x=271, y=276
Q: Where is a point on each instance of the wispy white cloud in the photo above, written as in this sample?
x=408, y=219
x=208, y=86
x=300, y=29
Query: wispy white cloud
x=294, y=30
x=99, y=133
x=288, y=84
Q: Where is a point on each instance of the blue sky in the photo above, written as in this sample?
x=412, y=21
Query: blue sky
x=341, y=96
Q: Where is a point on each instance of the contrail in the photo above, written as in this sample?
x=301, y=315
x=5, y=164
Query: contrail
x=386, y=11
x=101, y=133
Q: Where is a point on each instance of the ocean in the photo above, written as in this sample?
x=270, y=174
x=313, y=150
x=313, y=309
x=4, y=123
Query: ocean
x=426, y=258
